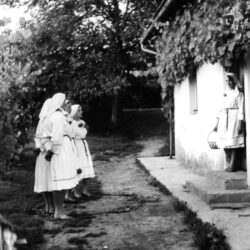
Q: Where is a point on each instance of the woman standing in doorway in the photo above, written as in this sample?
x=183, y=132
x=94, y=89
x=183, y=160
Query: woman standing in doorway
x=230, y=124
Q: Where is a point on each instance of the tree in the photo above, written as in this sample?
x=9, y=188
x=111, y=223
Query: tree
x=86, y=48
x=8, y=71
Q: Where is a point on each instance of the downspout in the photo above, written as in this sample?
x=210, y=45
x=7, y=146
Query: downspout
x=160, y=11
x=149, y=51
x=163, y=6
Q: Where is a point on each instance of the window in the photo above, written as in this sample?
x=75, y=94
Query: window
x=193, y=99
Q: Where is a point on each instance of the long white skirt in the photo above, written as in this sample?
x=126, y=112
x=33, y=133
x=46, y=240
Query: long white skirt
x=43, y=179
x=84, y=159
x=227, y=130
x=63, y=167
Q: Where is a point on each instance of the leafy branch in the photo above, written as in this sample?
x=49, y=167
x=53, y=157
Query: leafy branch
x=210, y=31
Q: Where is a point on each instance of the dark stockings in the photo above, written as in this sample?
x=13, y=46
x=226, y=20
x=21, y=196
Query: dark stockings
x=230, y=155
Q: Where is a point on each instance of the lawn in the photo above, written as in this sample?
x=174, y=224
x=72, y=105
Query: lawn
x=23, y=208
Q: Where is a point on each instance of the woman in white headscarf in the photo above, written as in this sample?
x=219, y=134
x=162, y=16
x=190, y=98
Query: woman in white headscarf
x=42, y=168
x=60, y=154
x=79, y=132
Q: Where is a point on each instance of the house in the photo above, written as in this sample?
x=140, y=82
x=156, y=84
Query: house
x=195, y=43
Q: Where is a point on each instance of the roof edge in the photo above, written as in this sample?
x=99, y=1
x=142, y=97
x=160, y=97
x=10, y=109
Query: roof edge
x=158, y=14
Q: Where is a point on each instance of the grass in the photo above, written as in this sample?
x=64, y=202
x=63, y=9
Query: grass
x=155, y=183
x=78, y=220
x=52, y=231
x=78, y=241
x=74, y=230
x=21, y=206
x=16, y=198
x=108, y=146
x=138, y=124
x=93, y=235
x=206, y=235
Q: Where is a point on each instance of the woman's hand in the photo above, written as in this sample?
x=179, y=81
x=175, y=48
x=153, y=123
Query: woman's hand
x=49, y=155
x=37, y=151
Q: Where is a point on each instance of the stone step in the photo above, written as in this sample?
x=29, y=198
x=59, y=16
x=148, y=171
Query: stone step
x=228, y=181
x=213, y=194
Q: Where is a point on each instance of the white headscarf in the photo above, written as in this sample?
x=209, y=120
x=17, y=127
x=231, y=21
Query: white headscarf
x=74, y=109
x=57, y=101
x=45, y=108
x=237, y=82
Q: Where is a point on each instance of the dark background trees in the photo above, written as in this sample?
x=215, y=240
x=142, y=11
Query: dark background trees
x=88, y=49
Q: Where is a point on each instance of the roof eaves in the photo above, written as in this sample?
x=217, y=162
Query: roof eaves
x=157, y=16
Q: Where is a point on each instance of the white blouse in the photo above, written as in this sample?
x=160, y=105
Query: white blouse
x=79, y=131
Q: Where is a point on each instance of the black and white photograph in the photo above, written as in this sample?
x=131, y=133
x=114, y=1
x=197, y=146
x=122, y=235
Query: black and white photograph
x=124, y=125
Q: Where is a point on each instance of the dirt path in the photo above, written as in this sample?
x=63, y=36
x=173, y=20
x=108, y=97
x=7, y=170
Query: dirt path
x=125, y=212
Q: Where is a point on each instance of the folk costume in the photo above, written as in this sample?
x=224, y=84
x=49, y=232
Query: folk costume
x=230, y=124
x=42, y=168
x=230, y=115
x=63, y=162
x=79, y=132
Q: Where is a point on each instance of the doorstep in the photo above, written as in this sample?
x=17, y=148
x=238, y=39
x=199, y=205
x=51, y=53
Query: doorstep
x=174, y=176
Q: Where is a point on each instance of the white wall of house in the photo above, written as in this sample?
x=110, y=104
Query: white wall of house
x=192, y=128
x=247, y=111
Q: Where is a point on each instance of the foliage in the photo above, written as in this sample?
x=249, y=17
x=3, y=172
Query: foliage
x=84, y=48
x=15, y=106
x=7, y=111
x=200, y=32
x=206, y=236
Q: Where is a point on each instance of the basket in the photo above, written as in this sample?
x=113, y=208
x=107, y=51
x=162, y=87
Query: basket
x=212, y=139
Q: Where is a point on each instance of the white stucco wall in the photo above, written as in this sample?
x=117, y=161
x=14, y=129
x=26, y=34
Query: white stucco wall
x=247, y=111
x=191, y=130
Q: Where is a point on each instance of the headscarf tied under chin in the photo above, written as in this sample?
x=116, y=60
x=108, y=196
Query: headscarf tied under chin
x=45, y=110
x=58, y=100
x=236, y=80
x=74, y=110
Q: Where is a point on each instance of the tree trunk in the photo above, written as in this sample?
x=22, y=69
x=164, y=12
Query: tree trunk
x=114, y=117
